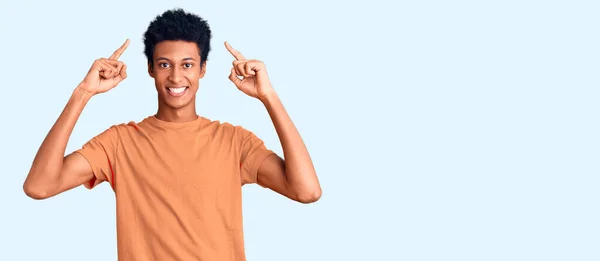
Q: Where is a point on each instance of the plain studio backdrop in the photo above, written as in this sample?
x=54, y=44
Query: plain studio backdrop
x=440, y=130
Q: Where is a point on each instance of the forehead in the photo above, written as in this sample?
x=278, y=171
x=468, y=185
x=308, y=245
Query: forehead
x=176, y=50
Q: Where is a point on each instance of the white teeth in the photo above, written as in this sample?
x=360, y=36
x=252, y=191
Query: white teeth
x=177, y=90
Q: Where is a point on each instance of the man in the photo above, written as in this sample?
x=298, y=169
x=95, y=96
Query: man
x=177, y=176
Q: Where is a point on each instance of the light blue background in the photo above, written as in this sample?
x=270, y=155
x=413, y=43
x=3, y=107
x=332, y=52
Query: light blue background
x=440, y=130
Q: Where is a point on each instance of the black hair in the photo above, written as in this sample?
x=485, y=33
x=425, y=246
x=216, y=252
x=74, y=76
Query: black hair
x=177, y=24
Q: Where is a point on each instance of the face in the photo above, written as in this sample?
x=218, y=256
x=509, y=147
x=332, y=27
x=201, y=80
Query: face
x=176, y=72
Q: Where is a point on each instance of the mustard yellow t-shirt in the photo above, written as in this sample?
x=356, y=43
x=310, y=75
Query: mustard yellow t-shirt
x=177, y=186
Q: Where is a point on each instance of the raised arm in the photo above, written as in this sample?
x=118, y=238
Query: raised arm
x=52, y=172
x=293, y=176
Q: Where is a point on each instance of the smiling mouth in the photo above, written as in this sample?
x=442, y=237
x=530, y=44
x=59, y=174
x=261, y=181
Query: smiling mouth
x=178, y=91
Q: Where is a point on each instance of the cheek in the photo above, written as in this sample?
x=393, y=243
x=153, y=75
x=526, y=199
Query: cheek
x=193, y=76
x=161, y=77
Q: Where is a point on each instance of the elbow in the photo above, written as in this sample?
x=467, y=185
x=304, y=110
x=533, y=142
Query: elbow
x=35, y=191
x=309, y=197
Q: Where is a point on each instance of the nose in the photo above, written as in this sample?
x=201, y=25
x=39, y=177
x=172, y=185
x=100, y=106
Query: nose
x=175, y=75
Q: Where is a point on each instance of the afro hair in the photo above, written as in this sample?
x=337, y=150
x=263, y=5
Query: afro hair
x=174, y=25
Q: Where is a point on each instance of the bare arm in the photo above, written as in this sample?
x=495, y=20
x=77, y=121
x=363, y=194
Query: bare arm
x=51, y=172
x=294, y=177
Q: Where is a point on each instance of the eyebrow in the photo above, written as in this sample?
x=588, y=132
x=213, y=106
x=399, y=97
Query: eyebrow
x=184, y=59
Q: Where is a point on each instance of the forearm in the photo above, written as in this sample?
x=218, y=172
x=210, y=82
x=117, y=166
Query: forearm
x=299, y=169
x=47, y=164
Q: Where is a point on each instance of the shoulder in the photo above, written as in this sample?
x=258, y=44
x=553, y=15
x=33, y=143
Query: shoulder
x=224, y=127
x=119, y=130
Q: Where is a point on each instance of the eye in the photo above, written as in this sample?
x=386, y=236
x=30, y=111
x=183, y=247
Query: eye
x=187, y=65
x=164, y=65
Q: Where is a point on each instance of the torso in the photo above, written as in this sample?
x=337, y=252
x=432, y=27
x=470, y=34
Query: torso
x=178, y=191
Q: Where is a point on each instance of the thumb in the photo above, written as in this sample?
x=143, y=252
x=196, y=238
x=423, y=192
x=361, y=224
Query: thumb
x=233, y=77
x=122, y=74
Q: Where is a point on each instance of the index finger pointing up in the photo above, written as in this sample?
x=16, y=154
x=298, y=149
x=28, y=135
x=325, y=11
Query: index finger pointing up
x=119, y=51
x=234, y=52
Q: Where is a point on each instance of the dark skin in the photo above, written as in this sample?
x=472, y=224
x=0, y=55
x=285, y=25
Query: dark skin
x=176, y=64
x=51, y=172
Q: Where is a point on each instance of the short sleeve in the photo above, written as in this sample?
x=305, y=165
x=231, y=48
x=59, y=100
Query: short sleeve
x=253, y=153
x=100, y=152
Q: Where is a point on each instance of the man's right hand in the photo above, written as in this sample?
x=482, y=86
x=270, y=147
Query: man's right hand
x=105, y=73
x=51, y=172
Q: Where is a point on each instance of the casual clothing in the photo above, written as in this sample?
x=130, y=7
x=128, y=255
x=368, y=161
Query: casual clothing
x=177, y=186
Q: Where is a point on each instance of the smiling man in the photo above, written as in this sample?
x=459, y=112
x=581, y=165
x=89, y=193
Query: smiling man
x=177, y=176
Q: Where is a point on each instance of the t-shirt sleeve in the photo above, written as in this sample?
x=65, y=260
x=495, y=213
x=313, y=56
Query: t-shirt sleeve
x=253, y=153
x=100, y=152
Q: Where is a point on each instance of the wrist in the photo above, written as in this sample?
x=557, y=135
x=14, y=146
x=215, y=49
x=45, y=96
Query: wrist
x=268, y=98
x=82, y=93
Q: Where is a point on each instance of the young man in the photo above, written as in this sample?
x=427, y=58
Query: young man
x=177, y=176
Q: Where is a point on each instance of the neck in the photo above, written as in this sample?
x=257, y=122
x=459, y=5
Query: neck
x=183, y=114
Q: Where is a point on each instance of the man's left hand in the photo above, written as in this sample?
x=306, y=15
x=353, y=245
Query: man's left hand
x=255, y=81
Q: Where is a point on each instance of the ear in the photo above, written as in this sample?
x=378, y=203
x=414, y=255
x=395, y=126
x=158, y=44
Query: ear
x=203, y=70
x=150, y=70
